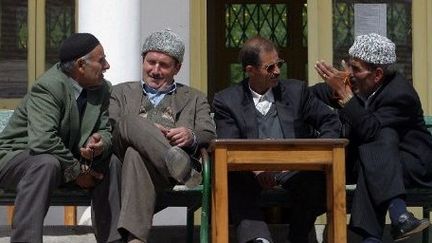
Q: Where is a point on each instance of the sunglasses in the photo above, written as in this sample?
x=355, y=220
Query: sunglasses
x=270, y=68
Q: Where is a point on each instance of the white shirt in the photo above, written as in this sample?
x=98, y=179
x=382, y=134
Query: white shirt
x=263, y=102
x=76, y=87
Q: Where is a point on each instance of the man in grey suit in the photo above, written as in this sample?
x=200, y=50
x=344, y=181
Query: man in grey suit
x=390, y=148
x=159, y=126
x=60, y=134
x=263, y=106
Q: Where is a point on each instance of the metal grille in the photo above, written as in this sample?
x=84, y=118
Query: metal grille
x=398, y=30
x=60, y=23
x=247, y=20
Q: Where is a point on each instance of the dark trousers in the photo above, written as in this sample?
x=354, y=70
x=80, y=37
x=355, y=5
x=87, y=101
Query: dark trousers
x=35, y=177
x=380, y=178
x=307, y=201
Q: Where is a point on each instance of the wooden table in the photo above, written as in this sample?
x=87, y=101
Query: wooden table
x=280, y=154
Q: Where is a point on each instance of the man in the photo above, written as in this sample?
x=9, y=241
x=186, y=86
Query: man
x=159, y=125
x=390, y=148
x=262, y=106
x=60, y=135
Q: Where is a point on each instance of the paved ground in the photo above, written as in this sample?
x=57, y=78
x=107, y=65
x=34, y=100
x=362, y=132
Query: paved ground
x=57, y=234
x=168, y=234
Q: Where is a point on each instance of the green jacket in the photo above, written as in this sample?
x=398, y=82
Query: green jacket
x=47, y=122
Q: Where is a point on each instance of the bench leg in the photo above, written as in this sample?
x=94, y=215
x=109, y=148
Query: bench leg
x=190, y=225
x=70, y=215
x=10, y=213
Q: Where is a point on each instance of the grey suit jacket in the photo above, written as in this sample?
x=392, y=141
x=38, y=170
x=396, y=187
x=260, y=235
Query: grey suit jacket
x=190, y=107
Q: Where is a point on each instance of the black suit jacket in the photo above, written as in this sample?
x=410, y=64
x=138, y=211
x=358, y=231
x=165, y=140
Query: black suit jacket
x=395, y=106
x=301, y=115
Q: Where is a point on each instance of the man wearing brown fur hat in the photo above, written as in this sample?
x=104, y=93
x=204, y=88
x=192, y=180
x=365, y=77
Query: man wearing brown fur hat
x=60, y=135
x=159, y=125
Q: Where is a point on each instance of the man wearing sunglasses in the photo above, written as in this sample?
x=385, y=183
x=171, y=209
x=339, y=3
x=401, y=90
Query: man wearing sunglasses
x=265, y=107
x=390, y=148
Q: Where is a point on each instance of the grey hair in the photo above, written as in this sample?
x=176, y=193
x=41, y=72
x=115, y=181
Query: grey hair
x=68, y=66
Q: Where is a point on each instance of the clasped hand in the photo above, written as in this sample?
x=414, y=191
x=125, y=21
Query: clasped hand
x=178, y=136
x=338, y=80
x=88, y=177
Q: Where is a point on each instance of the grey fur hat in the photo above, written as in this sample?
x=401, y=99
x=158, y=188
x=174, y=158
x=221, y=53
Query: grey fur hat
x=165, y=41
x=373, y=48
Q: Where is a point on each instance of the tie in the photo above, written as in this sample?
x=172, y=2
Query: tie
x=81, y=102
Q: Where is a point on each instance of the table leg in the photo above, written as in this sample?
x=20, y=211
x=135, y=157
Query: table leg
x=336, y=198
x=220, y=198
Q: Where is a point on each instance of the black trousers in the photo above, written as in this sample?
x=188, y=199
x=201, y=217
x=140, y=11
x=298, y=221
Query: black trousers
x=35, y=177
x=307, y=201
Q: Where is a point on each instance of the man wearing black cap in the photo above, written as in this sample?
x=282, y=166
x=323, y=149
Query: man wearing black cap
x=60, y=134
x=158, y=124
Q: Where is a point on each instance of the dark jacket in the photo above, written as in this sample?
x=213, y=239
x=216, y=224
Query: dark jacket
x=301, y=115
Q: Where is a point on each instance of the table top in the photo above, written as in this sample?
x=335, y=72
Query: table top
x=290, y=141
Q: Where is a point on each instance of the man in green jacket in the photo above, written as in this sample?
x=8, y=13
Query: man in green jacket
x=60, y=134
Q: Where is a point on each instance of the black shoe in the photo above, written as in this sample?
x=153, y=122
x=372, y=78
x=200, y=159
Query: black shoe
x=408, y=225
x=259, y=240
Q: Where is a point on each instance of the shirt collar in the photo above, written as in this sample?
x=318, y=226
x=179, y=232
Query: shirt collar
x=76, y=88
x=149, y=90
x=268, y=96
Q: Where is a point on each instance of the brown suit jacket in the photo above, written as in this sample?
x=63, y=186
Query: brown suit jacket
x=189, y=105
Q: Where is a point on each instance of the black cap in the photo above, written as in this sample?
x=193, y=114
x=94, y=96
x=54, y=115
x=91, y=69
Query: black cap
x=77, y=45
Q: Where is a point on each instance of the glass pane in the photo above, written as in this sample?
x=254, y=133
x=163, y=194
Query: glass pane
x=60, y=23
x=247, y=20
x=398, y=30
x=13, y=48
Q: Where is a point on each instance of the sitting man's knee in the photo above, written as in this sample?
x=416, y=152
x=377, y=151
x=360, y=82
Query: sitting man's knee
x=49, y=162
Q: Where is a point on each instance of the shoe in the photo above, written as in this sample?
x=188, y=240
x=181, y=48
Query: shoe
x=132, y=239
x=408, y=225
x=259, y=240
x=182, y=168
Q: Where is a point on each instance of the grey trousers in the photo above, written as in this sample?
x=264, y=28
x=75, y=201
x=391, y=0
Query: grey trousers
x=141, y=147
x=35, y=177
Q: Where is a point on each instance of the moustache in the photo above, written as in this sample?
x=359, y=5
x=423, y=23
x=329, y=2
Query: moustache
x=156, y=77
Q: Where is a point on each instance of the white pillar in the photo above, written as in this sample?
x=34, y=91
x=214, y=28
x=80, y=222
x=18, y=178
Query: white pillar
x=117, y=25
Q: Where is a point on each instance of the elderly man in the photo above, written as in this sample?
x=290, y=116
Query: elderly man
x=390, y=148
x=58, y=135
x=263, y=106
x=159, y=126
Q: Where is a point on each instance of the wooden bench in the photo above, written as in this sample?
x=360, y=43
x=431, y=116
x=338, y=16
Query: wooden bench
x=180, y=196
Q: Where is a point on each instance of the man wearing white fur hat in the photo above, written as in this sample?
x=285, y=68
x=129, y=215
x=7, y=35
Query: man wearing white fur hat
x=158, y=126
x=390, y=148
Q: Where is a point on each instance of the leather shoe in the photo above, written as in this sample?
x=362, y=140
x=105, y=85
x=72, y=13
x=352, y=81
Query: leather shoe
x=259, y=240
x=408, y=225
x=182, y=167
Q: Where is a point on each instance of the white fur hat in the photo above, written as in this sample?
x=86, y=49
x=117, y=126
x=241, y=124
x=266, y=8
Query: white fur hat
x=373, y=48
x=165, y=41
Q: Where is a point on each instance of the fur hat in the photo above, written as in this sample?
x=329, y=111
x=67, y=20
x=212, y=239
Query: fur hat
x=165, y=41
x=76, y=46
x=373, y=48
